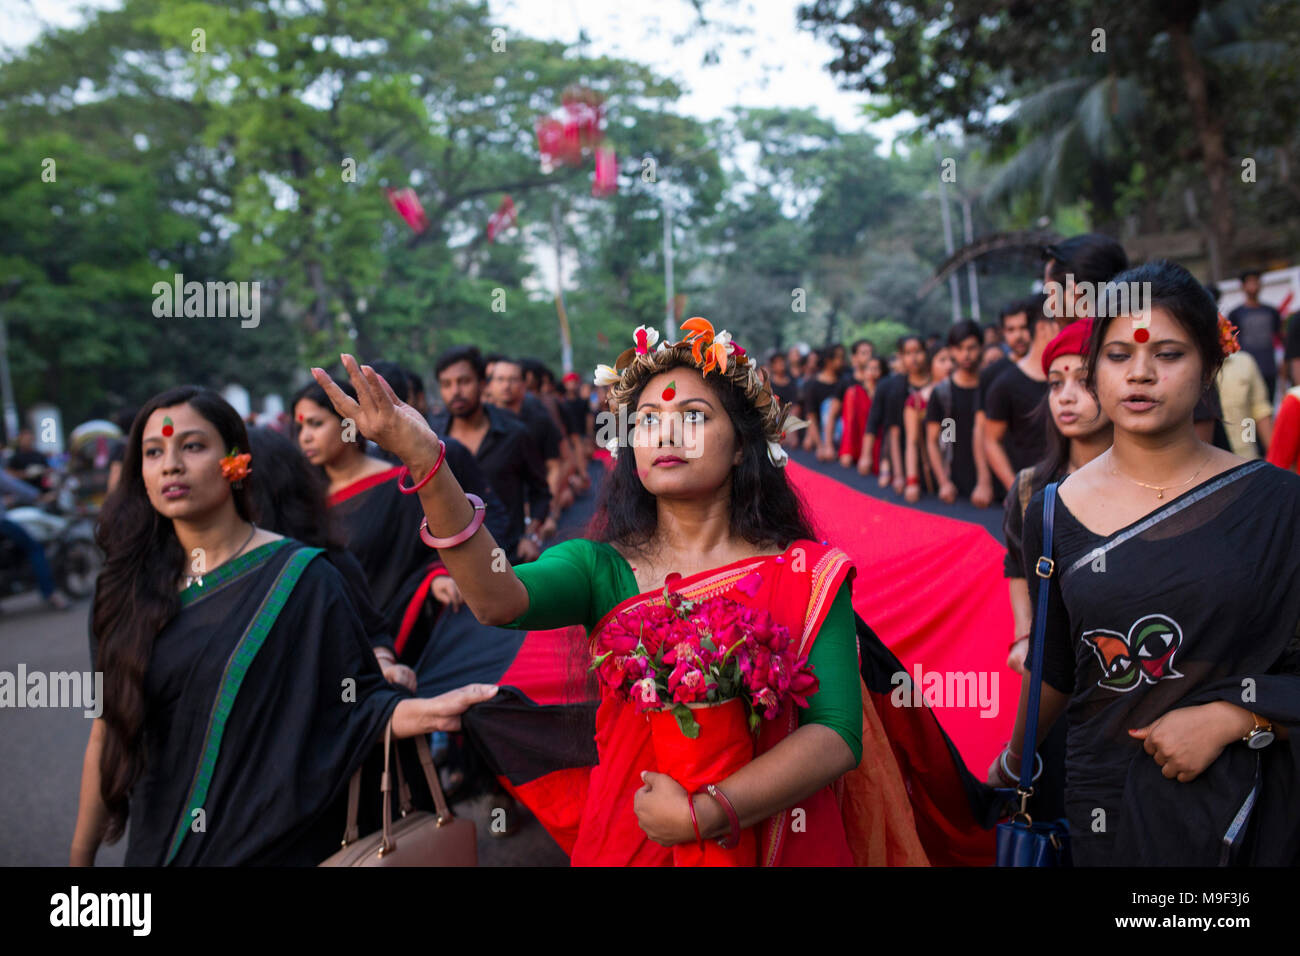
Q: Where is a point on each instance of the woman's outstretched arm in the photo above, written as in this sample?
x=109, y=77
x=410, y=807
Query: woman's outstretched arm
x=479, y=565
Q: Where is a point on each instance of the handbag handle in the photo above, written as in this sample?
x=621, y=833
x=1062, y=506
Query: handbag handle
x=444, y=814
x=1044, y=568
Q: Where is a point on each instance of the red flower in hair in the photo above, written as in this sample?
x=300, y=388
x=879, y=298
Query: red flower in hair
x=234, y=467
x=1227, y=336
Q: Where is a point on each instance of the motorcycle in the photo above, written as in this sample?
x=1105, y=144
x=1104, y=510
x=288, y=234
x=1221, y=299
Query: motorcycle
x=66, y=531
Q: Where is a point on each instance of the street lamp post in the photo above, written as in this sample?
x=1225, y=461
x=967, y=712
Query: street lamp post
x=6, y=383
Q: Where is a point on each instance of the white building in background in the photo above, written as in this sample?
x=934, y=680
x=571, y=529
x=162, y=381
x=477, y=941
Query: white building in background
x=1279, y=288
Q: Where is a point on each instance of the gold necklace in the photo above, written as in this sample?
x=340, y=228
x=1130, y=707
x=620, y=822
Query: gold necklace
x=1158, y=489
x=191, y=579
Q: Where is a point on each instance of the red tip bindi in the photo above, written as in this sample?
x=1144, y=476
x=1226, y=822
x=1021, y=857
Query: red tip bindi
x=1141, y=335
x=167, y=431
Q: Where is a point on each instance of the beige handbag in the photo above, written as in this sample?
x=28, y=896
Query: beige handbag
x=418, y=838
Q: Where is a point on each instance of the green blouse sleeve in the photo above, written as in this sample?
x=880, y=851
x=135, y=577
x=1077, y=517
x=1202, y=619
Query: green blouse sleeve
x=834, y=658
x=570, y=583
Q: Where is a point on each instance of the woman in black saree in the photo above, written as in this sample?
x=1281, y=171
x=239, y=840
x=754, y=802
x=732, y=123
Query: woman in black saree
x=1173, y=609
x=240, y=689
x=379, y=524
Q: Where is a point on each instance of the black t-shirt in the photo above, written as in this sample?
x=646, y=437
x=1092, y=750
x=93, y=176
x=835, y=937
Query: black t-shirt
x=960, y=405
x=575, y=415
x=22, y=460
x=788, y=393
x=887, y=408
x=987, y=375
x=816, y=391
x=1257, y=324
x=541, y=426
x=1015, y=398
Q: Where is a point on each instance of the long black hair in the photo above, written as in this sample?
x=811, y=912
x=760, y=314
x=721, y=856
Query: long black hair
x=136, y=595
x=289, y=494
x=1056, y=450
x=765, y=509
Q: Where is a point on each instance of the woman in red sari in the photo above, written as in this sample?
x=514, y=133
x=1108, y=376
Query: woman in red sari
x=698, y=505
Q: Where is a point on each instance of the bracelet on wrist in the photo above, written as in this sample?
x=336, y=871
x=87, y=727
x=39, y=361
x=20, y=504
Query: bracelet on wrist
x=695, y=823
x=442, y=454
x=476, y=522
x=732, y=839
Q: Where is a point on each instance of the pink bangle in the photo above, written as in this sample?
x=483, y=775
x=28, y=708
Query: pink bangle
x=442, y=453
x=733, y=838
x=476, y=522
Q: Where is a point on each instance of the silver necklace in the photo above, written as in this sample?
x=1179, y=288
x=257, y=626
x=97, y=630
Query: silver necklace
x=193, y=579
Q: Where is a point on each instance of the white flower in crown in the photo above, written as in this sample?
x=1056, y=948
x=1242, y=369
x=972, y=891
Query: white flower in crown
x=723, y=338
x=645, y=339
x=662, y=347
x=776, y=454
x=606, y=375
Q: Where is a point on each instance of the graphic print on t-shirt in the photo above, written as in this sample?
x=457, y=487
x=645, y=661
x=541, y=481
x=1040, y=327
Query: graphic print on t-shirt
x=1145, y=654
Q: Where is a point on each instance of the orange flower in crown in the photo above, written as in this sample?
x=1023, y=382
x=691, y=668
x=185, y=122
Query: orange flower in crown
x=709, y=347
x=1227, y=336
x=235, y=467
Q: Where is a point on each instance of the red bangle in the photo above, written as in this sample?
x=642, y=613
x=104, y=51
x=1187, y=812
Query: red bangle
x=690, y=802
x=914, y=480
x=733, y=838
x=442, y=453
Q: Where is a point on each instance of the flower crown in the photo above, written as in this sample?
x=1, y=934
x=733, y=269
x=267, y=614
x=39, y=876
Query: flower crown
x=710, y=352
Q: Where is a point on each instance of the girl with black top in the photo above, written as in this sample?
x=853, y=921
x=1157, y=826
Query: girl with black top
x=1172, y=617
x=288, y=496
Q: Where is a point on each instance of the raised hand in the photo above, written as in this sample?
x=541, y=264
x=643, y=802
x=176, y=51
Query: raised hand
x=378, y=413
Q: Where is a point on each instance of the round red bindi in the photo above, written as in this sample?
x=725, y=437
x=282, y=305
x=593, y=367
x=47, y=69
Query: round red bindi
x=167, y=431
x=1141, y=335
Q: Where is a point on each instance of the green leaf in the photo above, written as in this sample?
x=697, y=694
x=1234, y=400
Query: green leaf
x=686, y=721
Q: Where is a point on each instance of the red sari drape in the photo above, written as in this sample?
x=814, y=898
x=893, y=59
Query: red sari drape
x=864, y=817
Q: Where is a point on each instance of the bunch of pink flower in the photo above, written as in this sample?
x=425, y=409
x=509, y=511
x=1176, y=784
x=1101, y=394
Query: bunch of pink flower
x=663, y=657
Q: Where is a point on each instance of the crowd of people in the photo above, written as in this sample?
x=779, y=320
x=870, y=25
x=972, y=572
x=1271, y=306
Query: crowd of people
x=959, y=416
x=436, y=524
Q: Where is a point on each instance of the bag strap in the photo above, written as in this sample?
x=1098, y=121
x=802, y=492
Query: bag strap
x=1044, y=568
x=445, y=816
